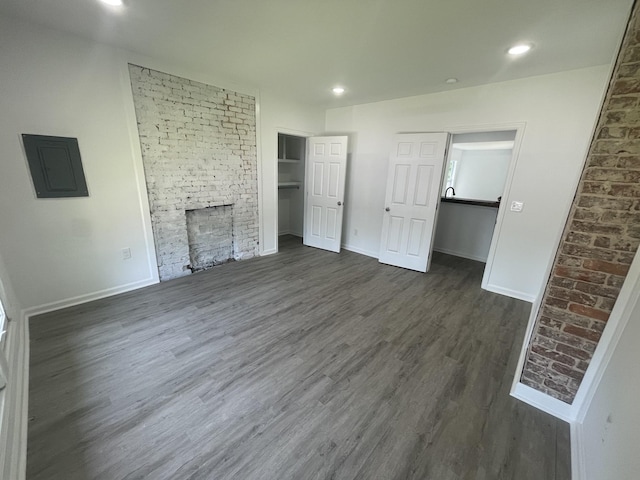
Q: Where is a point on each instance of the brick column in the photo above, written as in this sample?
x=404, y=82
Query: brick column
x=199, y=151
x=600, y=239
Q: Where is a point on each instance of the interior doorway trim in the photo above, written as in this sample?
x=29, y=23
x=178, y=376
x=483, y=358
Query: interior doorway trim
x=519, y=128
x=274, y=187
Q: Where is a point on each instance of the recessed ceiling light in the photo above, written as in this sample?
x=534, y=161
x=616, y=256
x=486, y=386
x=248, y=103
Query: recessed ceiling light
x=519, y=49
x=113, y=3
x=451, y=80
x=338, y=90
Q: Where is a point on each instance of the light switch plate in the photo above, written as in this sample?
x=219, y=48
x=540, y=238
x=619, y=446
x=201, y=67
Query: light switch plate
x=517, y=206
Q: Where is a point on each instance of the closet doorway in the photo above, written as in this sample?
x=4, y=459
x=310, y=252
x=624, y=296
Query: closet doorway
x=311, y=187
x=291, y=175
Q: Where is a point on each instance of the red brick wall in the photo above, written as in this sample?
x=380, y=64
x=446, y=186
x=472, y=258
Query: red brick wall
x=600, y=239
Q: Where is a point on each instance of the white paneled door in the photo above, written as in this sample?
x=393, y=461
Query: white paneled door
x=412, y=198
x=324, y=186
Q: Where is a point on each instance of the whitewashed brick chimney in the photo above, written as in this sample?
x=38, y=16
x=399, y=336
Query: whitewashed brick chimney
x=199, y=151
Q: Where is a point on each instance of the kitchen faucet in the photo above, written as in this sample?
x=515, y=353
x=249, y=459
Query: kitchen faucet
x=453, y=191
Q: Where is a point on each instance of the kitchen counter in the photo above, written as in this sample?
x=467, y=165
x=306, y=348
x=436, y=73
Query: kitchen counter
x=469, y=201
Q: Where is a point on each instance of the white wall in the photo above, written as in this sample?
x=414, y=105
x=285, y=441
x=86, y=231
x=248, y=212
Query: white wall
x=465, y=230
x=558, y=112
x=279, y=115
x=609, y=436
x=291, y=211
x=481, y=174
x=284, y=211
x=296, y=208
x=57, y=249
x=612, y=427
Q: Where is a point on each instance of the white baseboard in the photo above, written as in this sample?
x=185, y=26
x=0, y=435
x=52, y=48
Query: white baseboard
x=463, y=255
x=510, y=293
x=544, y=402
x=89, y=297
x=361, y=251
x=14, y=415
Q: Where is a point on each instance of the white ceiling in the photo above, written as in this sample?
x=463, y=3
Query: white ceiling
x=376, y=49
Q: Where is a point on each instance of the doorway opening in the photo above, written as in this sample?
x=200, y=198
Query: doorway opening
x=311, y=187
x=475, y=177
x=291, y=173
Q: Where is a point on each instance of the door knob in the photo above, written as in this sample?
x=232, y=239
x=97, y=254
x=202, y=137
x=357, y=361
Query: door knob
x=339, y=203
x=387, y=209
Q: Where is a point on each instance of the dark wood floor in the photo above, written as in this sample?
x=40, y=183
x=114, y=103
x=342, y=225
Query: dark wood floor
x=301, y=365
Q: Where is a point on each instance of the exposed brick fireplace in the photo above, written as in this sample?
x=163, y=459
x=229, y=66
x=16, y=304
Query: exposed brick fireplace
x=599, y=242
x=210, y=235
x=199, y=154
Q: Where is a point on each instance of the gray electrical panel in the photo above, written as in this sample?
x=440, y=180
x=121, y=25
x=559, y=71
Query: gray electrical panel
x=56, y=167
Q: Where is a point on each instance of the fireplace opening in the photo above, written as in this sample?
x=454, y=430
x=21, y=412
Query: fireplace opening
x=210, y=236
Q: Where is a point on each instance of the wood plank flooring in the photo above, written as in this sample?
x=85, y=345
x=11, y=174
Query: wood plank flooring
x=301, y=365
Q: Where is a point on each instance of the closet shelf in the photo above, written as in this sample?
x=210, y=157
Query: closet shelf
x=289, y=185
x=287, y=160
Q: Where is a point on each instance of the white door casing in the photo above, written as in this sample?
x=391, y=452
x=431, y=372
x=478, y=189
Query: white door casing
x=414, y=177
x=325, y=173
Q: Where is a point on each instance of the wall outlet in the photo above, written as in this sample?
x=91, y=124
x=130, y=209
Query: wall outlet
x=517, y=206
x=126, y=253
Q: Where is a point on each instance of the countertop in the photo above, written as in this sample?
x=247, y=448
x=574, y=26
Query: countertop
x=469, y=201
